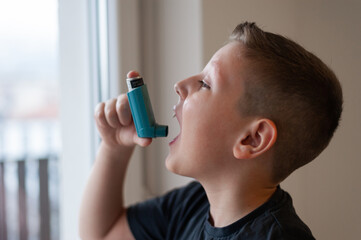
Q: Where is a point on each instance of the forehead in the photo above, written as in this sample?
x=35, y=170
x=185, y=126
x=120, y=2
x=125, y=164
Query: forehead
x=226, y=63
x=227, y=53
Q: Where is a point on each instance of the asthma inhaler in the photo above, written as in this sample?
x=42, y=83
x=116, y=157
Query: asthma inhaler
x=141, y=109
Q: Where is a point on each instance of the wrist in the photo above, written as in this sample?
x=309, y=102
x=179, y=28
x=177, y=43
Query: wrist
x=115, y=152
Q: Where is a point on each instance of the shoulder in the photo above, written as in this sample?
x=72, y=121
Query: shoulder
x=186, y=199
x=175, y=215
x=190, y=190
x=182, y=197
x=284, y=222
x=173, y=201
x=166, y=215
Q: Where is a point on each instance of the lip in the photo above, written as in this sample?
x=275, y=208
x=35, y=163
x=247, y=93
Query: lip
x=174, y=140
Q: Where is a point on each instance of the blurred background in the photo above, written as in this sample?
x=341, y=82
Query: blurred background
x=58, y=58
x=30, y=141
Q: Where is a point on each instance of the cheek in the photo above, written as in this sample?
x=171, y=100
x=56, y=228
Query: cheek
x=211, y=117
x=198, y=119
x=204, y=130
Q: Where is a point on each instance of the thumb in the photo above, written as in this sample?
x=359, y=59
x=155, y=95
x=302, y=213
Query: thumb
x=143, y=142
x=132, y=74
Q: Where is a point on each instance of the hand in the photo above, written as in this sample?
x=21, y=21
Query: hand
x=115, y=123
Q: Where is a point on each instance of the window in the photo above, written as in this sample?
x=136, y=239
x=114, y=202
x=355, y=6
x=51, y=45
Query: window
x=29, y=124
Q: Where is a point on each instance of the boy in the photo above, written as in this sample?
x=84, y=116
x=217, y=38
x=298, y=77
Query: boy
x=261, y=108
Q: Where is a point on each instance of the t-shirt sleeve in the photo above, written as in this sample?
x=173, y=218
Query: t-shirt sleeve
x=150, y=219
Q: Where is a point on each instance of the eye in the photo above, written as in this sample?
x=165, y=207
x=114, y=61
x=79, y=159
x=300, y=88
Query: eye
x=204, y=85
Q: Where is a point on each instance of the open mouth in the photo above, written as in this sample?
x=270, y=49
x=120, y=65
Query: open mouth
x=178, y=117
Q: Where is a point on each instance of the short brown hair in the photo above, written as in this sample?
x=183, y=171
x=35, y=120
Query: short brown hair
x=293, y=88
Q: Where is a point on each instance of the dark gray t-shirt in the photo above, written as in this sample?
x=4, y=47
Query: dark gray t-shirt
x=183, y=214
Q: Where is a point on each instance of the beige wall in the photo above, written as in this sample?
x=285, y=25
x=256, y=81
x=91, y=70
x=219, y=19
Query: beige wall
x=327, y=192
x=180, y=38
x=171, y=51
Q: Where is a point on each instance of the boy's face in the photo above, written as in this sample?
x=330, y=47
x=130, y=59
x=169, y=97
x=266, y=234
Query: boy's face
x=209, y=118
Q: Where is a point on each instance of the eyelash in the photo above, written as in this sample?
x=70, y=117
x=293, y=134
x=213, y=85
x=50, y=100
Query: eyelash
x=204, y=85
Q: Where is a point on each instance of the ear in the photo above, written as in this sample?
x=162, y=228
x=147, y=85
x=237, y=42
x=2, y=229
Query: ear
x=259, y=137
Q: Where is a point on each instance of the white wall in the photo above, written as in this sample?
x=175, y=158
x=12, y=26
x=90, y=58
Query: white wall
x=327, y=192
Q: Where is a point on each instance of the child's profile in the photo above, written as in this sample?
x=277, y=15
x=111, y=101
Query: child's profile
x=261, y=108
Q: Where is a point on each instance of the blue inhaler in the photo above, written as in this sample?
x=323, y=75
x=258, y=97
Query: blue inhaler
x=142, y=112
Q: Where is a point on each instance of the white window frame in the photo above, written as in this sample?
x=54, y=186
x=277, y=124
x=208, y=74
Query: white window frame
x=76, y=111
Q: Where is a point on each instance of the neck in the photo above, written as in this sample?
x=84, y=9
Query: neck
x=230, y=201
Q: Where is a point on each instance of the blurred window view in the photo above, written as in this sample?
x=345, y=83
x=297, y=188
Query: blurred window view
x=29, y=125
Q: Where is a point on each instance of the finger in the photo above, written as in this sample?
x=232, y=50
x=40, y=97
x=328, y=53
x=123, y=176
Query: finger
x=111, y=113
x=123, y=110
x=99, y=115
x=143, y=142
x=129, y=137
x=132, y=74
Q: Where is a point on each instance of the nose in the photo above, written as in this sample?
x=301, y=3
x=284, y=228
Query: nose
x=184, y=87
x=180, y=89
x=177, y=89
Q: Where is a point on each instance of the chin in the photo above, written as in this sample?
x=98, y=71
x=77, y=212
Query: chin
x=173, y=165
x=170, y=164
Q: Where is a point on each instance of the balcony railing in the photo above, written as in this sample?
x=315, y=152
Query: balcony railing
x=29, y=185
